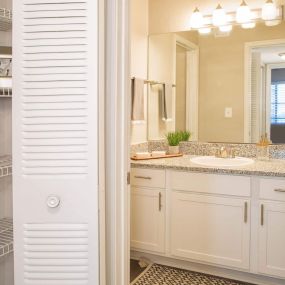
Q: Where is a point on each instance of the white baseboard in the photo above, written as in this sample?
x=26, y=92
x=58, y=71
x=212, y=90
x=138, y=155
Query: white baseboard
x=208, y=269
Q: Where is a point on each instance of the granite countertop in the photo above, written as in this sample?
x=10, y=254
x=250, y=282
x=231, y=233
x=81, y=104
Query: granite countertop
x=273, y=167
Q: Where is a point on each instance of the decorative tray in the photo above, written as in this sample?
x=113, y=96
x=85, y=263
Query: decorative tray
x=157, y=157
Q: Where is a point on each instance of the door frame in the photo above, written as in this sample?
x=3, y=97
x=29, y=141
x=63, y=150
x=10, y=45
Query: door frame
x=192, y=85
x=248, y=48
x=117, y=141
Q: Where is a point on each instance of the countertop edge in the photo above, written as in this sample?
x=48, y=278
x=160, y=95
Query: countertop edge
x=210, y=170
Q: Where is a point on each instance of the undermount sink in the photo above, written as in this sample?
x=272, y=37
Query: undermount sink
x=221, y=162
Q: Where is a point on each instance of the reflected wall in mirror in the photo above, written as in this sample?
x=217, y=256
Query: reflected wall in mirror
x=228, y=87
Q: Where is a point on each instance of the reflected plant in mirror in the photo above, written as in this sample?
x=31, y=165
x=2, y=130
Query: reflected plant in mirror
x=229, y=86
x=184, y=136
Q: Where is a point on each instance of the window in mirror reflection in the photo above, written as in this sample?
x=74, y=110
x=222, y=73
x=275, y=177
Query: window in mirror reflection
x=277, y=128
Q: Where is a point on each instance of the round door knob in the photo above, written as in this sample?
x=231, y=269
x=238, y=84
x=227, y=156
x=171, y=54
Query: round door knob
x=53, y=201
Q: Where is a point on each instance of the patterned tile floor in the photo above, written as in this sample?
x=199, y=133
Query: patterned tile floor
x=164, y=275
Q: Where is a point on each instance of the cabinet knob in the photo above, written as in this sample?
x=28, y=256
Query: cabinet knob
x=53, y=201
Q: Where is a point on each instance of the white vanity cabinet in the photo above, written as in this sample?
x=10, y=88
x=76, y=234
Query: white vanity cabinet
x=205, y=224
x=272, y=228
x=148, y=210
x=232, y=222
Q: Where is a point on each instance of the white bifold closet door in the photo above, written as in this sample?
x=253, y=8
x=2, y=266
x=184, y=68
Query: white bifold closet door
x=55, y=141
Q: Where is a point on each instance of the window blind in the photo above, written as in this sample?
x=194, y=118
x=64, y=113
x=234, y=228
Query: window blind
x=278, y=102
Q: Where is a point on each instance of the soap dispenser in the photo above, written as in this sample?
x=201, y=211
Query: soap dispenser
x=262, y=148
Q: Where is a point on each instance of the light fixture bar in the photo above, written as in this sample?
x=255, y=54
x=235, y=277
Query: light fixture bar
x=256, y=17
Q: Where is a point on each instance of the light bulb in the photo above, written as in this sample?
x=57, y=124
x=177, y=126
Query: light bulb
x=225, y=29
x=272, y=23
x=248, y=25
x=219, y=17
x=243, y=14
x=205, y=31
x=269, y=11
x=197, y=19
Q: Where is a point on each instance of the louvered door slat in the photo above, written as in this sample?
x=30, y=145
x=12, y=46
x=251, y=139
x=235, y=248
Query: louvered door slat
x=56, y=63
x=56, y=35
x=56, y=92
x=56, y=56
x=55, y=156
x=65, y=99
x=66, y=49
x=58, y=42
x=56, y=21
x=55, y=28
x=59, y=6
x=55, y=142
x=61, y=269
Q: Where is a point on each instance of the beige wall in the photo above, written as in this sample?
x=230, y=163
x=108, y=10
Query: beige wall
x=139, y=57
x=222, y=81
x=174, y=15
x=162, y=52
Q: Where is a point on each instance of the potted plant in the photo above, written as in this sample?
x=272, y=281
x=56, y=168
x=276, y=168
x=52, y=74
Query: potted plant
x=173, y=139
x=185, y=136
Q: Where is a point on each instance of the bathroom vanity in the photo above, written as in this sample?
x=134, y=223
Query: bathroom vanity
x=200, y=218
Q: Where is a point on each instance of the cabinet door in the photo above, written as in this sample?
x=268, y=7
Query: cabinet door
x=55, y=141
x=147, y=219
x=272, y=239
x=210, y=229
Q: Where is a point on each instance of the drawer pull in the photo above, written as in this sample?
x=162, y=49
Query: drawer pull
x=245, y=211
x=159, y=202
x=143, y=177
x=262, y=215
x=280, y=190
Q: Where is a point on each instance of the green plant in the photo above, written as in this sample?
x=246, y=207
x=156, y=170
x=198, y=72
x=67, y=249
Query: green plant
x=184, y=136
x=173, y=138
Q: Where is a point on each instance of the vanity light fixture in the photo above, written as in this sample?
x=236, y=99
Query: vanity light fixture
x=243, y=14
x=204, y=31
x=282, y=55
x=269, y=11
x=226, y=29
x=197, y=19
x=219, y=17
x=222, y=22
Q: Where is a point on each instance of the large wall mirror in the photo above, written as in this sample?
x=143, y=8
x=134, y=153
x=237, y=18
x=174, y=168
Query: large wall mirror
x=223, y=87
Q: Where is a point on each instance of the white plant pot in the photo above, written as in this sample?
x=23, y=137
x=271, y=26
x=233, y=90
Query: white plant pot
x=173, y=149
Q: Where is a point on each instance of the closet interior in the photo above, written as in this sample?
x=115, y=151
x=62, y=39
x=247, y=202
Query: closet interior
x=6, y=223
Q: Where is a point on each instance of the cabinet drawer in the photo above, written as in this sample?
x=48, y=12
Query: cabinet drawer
x=148, y=177
x=211, y=183
x=272, y=189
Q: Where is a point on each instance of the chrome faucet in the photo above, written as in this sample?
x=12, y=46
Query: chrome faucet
x=225, y=152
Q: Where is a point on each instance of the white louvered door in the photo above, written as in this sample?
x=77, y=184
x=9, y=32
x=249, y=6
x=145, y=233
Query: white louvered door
x=55, y=141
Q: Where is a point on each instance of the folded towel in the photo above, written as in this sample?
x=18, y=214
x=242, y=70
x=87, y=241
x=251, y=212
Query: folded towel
x=166, y=102
x=137, y=99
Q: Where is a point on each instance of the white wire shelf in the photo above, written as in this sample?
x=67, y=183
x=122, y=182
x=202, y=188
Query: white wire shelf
x=6, y=236
x=5, y=19
x=5, y=166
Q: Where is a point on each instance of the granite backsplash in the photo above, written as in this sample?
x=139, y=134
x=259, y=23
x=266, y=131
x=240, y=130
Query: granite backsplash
x=199, y=148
